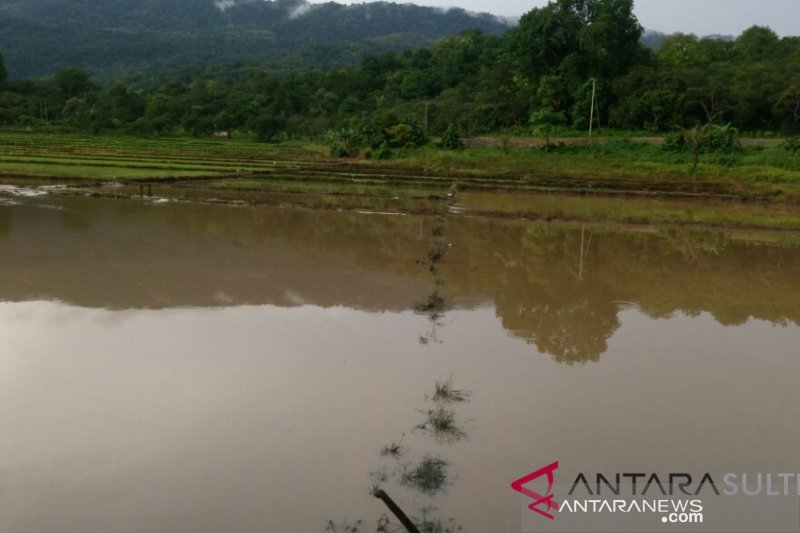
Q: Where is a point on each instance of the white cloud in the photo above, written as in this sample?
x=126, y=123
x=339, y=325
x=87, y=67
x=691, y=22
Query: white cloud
x=300, y=10
x=222, y=5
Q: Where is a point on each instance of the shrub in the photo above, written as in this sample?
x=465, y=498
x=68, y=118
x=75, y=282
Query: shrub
x=722, y=140
x=675, y=142
x=407, y=134
x=545, y=121
x=400, y=135
x=792, y=144
x=343, y=142
x=383, y=152
x=451, y=139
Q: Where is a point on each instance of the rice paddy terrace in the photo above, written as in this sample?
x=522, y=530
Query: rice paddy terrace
x=485, y=181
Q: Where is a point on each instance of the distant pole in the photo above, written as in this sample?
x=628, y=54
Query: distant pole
x=427, y=105
x=591, y=113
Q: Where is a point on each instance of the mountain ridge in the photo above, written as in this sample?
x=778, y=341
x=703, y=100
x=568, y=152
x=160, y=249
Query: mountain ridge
x=38, y=37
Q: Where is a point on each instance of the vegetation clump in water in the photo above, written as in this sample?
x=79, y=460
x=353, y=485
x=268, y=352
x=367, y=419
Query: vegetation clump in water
x=395, y=449
x=344, y=527
x=441, y=422
x=428, y=524
x=429, y=476
x=446, y=392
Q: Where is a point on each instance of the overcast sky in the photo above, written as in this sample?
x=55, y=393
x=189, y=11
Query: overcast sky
x=702, y=17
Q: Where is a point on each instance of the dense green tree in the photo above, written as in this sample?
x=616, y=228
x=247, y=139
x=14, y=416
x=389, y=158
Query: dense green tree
x=647, y=99
x=681, y=51
x=787, y=107
x=535, y=79
x=124, y=36
x=578, y=40
x=73, y=82
x=3, y=71
x=451, y=138
x=549, y=109
x=126, y=106
x=266, y=125
x=757, y=44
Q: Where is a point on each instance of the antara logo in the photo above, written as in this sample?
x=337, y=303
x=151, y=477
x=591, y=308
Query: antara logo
x=542, y=504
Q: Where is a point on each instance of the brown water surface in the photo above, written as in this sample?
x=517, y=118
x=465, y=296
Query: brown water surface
x=206, y=369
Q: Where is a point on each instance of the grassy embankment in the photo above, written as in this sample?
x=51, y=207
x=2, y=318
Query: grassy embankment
x=760, y=189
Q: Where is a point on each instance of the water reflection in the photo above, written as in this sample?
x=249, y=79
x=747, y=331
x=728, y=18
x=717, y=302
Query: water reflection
x=553, y=290
x=558, y=288
x=153, y=398
x=5, y=222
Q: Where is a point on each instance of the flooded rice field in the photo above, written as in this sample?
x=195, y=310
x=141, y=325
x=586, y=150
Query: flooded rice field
x=171, y=367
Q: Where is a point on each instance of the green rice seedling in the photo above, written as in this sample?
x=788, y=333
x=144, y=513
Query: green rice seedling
x=441, y=422
x=445, y=392
x=395, y=449
x=429, y=476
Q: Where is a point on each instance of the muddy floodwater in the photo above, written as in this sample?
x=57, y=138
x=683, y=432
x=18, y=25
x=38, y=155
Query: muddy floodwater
x=176, y=368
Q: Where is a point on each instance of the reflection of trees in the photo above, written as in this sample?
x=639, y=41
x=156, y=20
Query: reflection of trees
x=542, y=295
x=75, y=221
x=573, y=327
x=112, y=254
x=5, y=222
x=555, y=286
x=550, y=296
x=181, y=255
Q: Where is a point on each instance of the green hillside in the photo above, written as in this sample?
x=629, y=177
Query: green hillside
x=39, y=37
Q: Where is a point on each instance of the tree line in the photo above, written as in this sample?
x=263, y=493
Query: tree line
x=538, y=77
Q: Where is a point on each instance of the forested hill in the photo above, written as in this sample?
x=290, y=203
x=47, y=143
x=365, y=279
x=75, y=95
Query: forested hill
x=39, y=37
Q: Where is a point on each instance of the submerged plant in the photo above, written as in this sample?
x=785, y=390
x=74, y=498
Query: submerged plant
x=344, y=527
x=434, y=307
x=446, y=392
x=436, y=255
x=430, y=524
x=429, y=476
x=434, y=304
x=442, y=423
x=395, y=449
x=441, y=419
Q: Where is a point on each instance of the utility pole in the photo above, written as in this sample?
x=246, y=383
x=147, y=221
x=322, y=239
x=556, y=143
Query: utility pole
x=427, y=105
x=591, y=113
